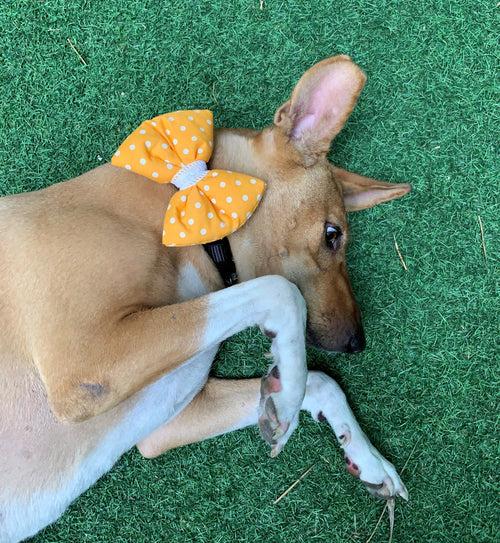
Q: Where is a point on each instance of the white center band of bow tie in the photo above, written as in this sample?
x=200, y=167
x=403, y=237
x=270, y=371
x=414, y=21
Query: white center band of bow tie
x=190, y=174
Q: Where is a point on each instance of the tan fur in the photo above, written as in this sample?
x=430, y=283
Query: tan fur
x=89, y=302
x=221, y=405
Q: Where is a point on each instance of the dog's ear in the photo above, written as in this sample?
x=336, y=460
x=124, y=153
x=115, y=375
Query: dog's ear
x=363, y=192
x=320, y=105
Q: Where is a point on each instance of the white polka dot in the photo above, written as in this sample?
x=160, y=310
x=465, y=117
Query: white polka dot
x=175, y=141
x=128, y=167
x=171, y=119
x=215, y=174
x=183, y=213
x=229, y=199
x=182, y=234
x=155, y=174
x=194, y=138
x=117, y=153
x=223, y=211
x=153, y=123
x=259, y=196
x=210, y=215
x=203, y=231
x=183, y=198
x=142, y=132
x=167, y=132
x=234, y=215
x=168, y=207
x=213, y=200
x=237, y=182
x=229, y=171
x=206, y=187
x=131, y=147
x=182, y=128
x=210, y=143
x=222, y=224
x=186, y=151
x=147, y=143
x=164, y=146
x=142, y=161
x=253, y=181
x=202, y=129
x=172, y=220
x=197, y=205
x=191, y=222
x=191, y=118
x=209, y=122
x=169, y=166
x=222, y=184
x=245, y=197
x=200, y=150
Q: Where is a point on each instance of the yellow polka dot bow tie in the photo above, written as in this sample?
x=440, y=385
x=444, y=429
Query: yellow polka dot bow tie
x=175, y=148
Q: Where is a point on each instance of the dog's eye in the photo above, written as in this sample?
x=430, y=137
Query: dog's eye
x=332, y=236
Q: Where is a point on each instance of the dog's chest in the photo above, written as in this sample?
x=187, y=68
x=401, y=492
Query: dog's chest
x=190, y=283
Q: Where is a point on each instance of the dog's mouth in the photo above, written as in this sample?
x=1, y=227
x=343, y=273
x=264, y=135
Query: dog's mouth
x=355, y=344
x=313, y=340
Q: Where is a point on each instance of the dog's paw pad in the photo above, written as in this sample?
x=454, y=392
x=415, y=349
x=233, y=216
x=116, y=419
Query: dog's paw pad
x=271, y=384
x=276, y=420
x=352, y=468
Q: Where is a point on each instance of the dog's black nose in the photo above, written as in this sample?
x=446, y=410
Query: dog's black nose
x=357, y=343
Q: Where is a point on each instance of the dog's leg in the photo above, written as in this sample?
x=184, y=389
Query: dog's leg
x=227, y=405
x=325, y=400
x=222, y=406
x=141, y=347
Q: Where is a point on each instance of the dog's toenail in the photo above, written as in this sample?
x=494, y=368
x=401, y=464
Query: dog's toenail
x=321, y=417
x=270, y=334
x=275, y=372
x=342, y=437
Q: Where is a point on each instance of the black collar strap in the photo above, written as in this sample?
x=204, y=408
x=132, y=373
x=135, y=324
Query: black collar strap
x=220, y=253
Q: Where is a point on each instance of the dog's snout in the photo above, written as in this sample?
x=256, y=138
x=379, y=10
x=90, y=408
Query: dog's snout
x=357, y=342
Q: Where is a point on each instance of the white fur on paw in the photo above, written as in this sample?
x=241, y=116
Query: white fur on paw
x=378, y=474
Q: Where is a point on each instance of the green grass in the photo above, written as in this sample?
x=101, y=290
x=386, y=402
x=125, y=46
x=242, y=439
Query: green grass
x=429, y=375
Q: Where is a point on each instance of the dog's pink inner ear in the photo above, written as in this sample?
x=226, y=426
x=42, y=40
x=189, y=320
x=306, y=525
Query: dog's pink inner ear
x=321, y=103
x=323, y=109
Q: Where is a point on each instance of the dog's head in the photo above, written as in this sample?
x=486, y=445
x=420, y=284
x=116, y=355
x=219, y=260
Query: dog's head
x=300, y=229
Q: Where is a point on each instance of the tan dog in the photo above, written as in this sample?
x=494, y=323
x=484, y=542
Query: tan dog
x=107, y=337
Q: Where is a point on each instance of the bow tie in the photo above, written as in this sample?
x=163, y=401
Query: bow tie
x=175, y=148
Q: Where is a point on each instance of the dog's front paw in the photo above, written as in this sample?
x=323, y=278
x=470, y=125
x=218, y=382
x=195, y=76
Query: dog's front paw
x=377, y=474
x=278, y=412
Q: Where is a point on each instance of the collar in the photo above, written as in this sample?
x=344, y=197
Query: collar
x=222, y=256
x=175, y=148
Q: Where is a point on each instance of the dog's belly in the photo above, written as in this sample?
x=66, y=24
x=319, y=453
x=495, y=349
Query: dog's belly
x=48, y=464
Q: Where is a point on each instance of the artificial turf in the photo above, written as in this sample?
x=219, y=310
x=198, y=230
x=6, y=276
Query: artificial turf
x=429, y=375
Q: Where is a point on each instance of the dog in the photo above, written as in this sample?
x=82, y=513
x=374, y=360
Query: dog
x=108, y=336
